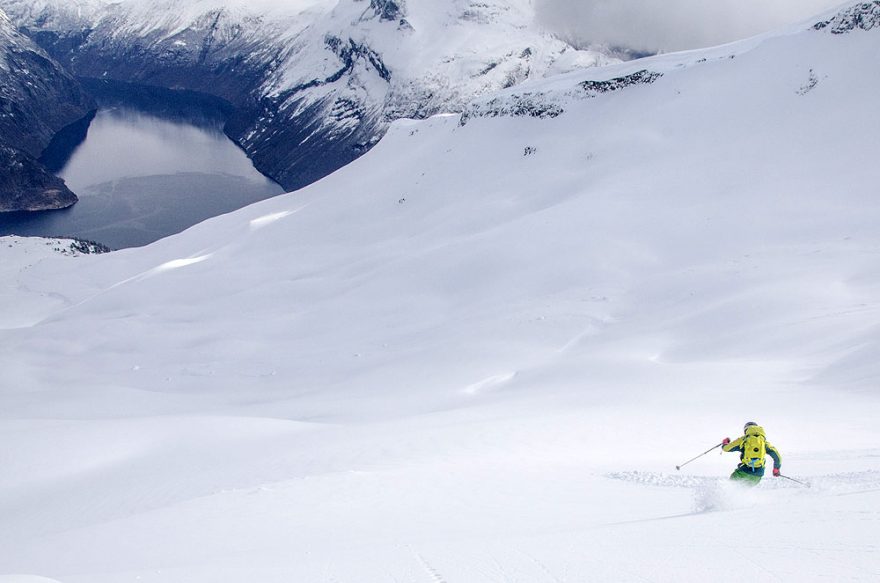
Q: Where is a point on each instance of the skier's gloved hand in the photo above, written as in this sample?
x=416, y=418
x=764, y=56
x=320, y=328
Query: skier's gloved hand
x=776, y=472
x=725, y=441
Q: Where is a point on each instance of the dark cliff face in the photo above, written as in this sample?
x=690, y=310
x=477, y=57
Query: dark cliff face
x=298, y=150
x=199, y=59
x=26, y=185
x=37, y=100
x=387, y=9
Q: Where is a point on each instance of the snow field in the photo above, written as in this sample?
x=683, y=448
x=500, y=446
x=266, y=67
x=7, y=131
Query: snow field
x=466, y=498
x=478, y=352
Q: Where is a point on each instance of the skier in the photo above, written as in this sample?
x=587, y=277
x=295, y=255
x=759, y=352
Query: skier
x=753, y=448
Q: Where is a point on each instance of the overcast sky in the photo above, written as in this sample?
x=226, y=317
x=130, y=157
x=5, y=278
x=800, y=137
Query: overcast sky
x=668, y=25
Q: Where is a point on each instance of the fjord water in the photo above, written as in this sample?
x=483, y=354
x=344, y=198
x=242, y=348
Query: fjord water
x=145, y=171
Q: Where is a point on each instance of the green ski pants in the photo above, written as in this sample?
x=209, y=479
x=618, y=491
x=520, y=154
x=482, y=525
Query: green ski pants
x=745, y=478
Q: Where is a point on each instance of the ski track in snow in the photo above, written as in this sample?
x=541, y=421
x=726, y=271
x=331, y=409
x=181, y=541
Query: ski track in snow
x=432, y=573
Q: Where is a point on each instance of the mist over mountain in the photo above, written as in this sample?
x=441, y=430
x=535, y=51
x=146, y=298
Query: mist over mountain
x=645, y=25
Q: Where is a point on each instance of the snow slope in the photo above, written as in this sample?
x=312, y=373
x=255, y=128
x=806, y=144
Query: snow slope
x=478, y=352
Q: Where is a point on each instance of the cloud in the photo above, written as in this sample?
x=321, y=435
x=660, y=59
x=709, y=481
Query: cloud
x=668, y=25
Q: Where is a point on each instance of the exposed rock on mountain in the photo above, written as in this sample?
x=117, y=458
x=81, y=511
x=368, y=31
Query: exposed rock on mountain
x=864, y=16
x=26, y=185
x=37, y=99
x=643, y=77
x=544, y=105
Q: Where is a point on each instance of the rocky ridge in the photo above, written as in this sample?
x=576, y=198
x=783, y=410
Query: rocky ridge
x=552, y=104
x=864, y=16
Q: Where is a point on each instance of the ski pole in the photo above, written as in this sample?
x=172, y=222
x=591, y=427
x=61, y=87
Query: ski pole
x=699, y=456
x=796, y=481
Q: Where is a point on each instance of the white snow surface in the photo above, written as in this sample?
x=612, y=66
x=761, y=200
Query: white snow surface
x=478, y=352
x=8, y=39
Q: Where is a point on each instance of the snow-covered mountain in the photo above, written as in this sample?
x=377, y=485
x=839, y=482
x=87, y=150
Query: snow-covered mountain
x=37, y=99
x=477, y=352
x=316, y=81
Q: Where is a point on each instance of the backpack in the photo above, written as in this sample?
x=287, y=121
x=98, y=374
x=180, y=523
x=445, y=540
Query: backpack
x=754, y=447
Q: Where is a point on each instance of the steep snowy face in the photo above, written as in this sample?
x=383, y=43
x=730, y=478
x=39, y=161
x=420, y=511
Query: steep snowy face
x=7, y=39
x=317, y=81
x=37, y=98
x=5, y=28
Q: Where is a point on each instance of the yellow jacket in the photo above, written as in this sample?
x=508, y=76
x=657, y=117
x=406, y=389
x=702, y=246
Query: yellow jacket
x=737, y=445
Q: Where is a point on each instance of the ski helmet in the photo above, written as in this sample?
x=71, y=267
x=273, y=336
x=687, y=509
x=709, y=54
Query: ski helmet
x=749, y=424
